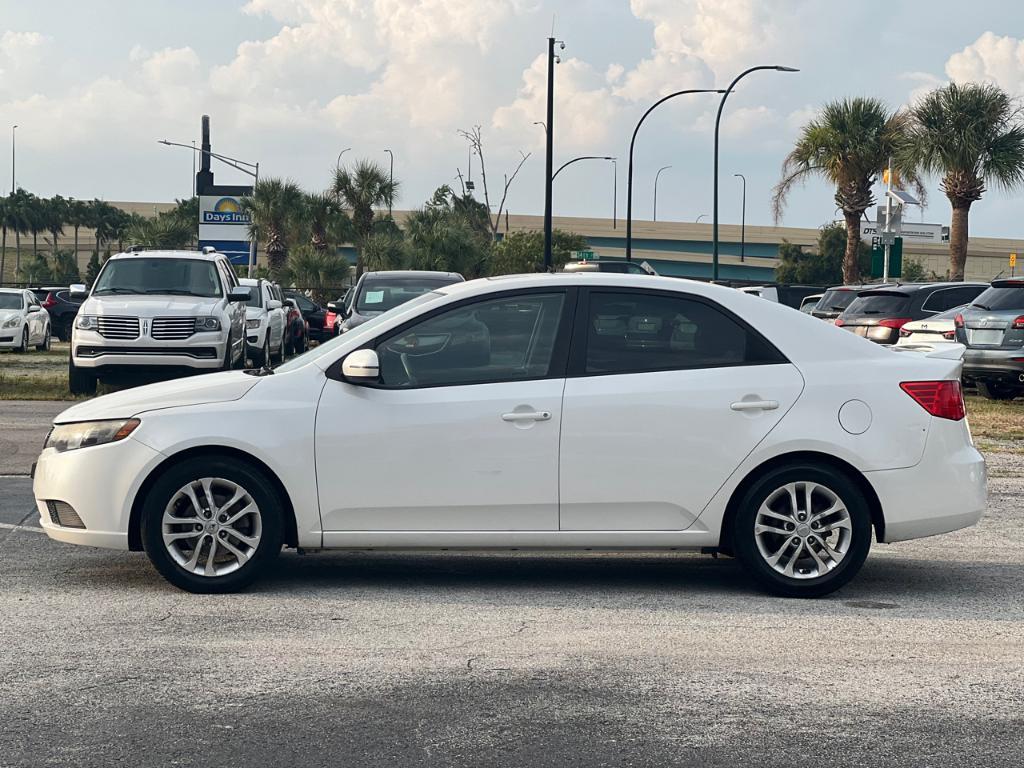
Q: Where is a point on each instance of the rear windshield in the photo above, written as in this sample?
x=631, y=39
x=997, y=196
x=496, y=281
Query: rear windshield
x=879, y=304
x=1007, y=297
x=380, y=295
x=835, y=300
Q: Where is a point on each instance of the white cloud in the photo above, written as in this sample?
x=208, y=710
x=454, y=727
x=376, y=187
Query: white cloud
x=990, y=58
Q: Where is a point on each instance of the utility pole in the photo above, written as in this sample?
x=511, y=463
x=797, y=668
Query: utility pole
x=549, y=155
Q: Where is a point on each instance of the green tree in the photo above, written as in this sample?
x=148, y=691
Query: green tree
x=78, y=217
x=275, y=206
x=3, y=239
x=19, y=220
x=824, y=265
x=325, y=221
x=92, y=269
x=523, y=252
x=105, y=221
x=64, y=268
x=385, y=250
x=166, y=231
x=35, y=271
x=971, y=136
x=449, y=235
x=55, y=217
x=319, y=272
x=359, y=191
x=848, y=144
x=186, y=214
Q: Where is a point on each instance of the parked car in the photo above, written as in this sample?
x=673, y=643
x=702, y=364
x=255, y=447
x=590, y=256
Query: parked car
x=377, y=292
x=158, y=312
x=992, y=328
x=614, y=266
x=836, y=299
x=808, y=303
x=23, y=321
x=541, y=411
x=62, y=308
x=936, y=329
x=264, y=323
x=879, y=313
x=297, y=340
x=790, y=295
x=312, y=313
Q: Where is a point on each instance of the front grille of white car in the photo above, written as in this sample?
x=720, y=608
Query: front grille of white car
x=115, y=327
x=172, y=328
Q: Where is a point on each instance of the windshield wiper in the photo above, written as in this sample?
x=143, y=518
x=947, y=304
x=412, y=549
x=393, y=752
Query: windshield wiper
x=173, y=292
x=117, y=290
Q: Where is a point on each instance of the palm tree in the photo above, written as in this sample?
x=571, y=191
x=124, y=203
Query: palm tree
x=103, y=219
x=327, y=223
x=77, y=217
x=274, y=207
x=320, y=271
x=55, y=216
x=164, y=231
x=19, y=205
x=848, y=144
x=3, y=241
x=360, y=191
x=37, y=223
x=972, y=136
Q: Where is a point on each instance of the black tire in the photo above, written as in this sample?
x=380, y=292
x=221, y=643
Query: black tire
x=24, y=340
x=229, y=362
x=79, y=381
x=261, y=358
x=992, y=391
x=744, y=542
x=254, y=482
x=45, y=345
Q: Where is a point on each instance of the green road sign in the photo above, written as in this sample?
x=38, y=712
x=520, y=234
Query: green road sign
x=584, y=255
x=878, y=258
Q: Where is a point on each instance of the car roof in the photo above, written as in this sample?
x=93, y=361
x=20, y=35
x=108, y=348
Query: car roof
x=13, y=290
x=412, y=273
x=906, y=289
x=177, y=254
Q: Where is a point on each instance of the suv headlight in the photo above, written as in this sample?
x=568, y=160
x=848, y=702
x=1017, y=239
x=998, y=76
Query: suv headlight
x=86, y=322
x=68, y=437
x=12, y=321
x=207, y=324
x=254, y=323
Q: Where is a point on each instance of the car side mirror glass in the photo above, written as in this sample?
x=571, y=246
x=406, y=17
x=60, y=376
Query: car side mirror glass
x=238, y=294
x=78, y=291
x=273, y=304
x=361, y=367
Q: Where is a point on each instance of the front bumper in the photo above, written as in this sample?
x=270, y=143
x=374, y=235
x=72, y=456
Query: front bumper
x=254, y=338
x=1003, y=365
x=203, y=351
x=10, y=338
x=100, y=484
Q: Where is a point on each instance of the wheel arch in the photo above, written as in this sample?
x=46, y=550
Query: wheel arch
x=291, y=536
x=806, y=457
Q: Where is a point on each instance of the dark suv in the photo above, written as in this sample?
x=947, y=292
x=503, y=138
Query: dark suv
x=62, y=308
x=879, y=313
x=992, y=329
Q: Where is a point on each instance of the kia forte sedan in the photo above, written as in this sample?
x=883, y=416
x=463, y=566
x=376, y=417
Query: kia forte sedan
x=563, y=411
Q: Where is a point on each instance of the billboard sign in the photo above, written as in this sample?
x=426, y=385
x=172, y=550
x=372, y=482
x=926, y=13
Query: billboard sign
x=223, y=224
x=910, y=232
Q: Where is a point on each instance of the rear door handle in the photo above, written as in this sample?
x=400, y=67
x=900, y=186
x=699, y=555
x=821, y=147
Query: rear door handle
x=526, y=416
x=755, y=405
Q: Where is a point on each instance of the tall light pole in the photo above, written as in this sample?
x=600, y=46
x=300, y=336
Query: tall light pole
x=656, y=177
x=615, y=191
x=629, y=172
x=391, y=176
x=549, y=151
x=702, y=216
x=743, y=217
x=14, y=157
x=337, y=163
x=718, y=121
x=592, y=157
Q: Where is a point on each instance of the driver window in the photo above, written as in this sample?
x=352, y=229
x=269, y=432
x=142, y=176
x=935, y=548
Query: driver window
x=504, y=339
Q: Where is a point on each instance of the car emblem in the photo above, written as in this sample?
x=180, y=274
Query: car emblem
x=145, y=327
x=924, y=326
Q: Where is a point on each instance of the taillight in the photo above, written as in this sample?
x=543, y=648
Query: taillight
x=1018, y=323
x=839, y=321
x=894, y=322
x=940, y=398
x=948, y=335
x=904, y=333
x=50, y=301
x=958, y=321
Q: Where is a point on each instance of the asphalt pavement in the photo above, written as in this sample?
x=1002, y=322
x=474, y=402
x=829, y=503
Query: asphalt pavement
x=522, y=659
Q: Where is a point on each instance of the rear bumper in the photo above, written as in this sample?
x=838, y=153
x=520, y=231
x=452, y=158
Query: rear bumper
x=994, y=365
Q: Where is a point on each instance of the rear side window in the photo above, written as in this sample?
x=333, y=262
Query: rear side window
x=637, y=332
x=947, y=298
x=879, y=304
x=836, y=300
x=1004, y=297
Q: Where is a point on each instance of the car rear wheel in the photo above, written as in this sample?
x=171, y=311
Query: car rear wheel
x=212, y=525
x=993, y=391
x=24, y=340
x=802, y=530
x=44, y=345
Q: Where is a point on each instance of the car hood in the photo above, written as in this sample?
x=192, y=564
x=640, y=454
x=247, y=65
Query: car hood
x=194, y=390
x=149, y=306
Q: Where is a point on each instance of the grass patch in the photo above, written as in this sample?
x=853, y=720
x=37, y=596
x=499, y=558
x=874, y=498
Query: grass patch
x=997, y=421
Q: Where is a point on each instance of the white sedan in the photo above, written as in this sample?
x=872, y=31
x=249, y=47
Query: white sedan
x=24, y=323
x=937, y=329
x=562, y=411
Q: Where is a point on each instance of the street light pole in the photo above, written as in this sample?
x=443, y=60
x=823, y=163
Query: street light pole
x=656, y=177
x=337, y=163
x=629, y=171
x=743, y=217
x=549, y=153
x=718, y=121
x=615, y=191
x=14, y=157
x=391, y=176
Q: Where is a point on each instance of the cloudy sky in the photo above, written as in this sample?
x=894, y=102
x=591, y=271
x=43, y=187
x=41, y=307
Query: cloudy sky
x=93, y=85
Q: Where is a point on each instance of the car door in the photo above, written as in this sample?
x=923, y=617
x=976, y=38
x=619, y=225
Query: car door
x=461, y=432
x=235, y=309
x=273, y=316
x=667, y=393
x=36, y=318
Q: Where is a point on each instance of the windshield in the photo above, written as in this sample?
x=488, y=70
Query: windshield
x=10, y=301
x=1006, y=297
x=384, y=293
x=326, y=347
x=254, y=299
x=879, y=304
x=159, y=275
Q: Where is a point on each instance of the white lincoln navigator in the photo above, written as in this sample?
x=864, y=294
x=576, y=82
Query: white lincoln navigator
x=178, y=311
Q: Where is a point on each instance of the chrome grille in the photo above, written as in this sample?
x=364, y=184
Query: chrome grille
x=115, y=327
x=172, y=328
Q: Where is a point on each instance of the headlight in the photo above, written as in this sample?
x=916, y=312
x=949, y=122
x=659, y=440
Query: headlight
x=252, y=323
x=86, y=322
x=207, y=324
x=68, y=437
x=12, y=321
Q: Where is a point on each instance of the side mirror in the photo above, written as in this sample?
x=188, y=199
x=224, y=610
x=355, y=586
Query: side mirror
x=332, y=306
x=33, y=308
x=238, y=293
x=78, y=291
x=361, y=367
x=273, y=304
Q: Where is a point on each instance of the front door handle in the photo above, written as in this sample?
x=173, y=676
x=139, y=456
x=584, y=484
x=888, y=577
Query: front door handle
x=755, y=405
x=526, y=416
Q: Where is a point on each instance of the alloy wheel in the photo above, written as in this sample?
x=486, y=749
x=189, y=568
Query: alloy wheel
x=803, y=530
x=212, y=526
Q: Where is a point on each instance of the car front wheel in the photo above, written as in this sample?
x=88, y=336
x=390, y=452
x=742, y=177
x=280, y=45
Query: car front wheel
x=212, y=525
x=44, y=345
x=802, y=530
